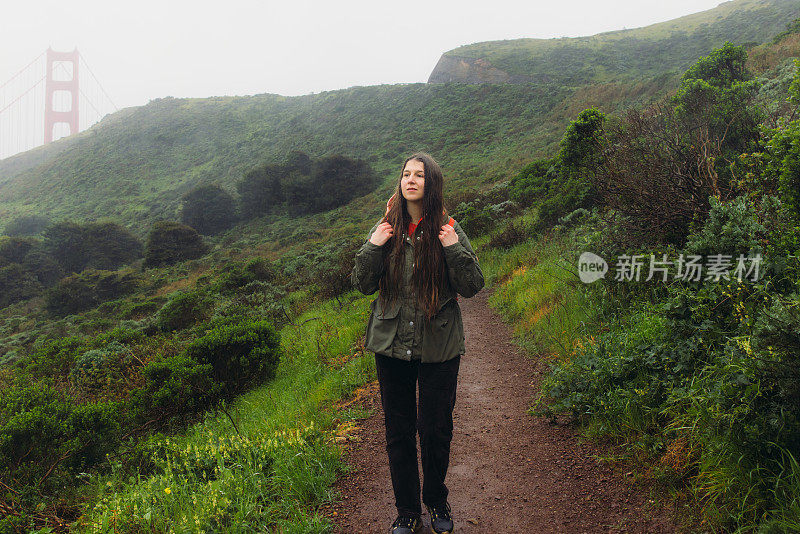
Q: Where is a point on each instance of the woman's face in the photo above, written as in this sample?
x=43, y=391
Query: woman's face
x=412, y=183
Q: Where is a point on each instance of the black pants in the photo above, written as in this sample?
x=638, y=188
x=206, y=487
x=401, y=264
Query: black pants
x=437, y=397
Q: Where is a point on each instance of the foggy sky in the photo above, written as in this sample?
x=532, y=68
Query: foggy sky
x=149, y=49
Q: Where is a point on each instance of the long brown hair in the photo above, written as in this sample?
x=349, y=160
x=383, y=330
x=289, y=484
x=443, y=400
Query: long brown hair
x=429, y=266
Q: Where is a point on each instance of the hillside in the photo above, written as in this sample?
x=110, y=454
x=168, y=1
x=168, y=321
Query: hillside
x=618, y=55
x=134, y=165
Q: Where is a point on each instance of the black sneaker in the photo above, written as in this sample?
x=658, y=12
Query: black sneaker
x=407, y=525
x=441, y=521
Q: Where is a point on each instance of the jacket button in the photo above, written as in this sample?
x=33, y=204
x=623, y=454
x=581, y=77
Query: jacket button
x=408, y=351
x=411, y=323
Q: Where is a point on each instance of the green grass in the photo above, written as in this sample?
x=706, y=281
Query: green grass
x=539, y=292
x=268, y=462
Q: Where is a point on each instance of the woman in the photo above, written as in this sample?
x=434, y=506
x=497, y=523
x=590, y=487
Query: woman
x=419, y=258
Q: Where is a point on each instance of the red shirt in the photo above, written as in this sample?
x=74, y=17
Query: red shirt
x=413, y=225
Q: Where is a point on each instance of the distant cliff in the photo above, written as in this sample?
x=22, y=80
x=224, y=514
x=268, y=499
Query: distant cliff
x=453, y=68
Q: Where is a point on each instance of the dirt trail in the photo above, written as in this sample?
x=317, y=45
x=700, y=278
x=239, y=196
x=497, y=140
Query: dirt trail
x=509, y=471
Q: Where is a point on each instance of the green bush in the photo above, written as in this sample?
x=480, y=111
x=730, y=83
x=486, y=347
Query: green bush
x=26, y=225
x=173, y=386
x=730, y=228
x=241, y=355
x=93, y=431
x=134, y=309
x=783, y=163
x=99, y=368
x=171, y=242
x=299, y=185
x=183, y=310
x=14, y=249
x=621, y=380
x=566, y=182
x=532, y=183
x=88, y=289
x=110, y=245
x=332, y=268
x=32, y=429
x=236, y=275
x=42, y=265
x=512, y=234
x=97, y=245
x=55, y=358
x=45, y=438
x=209, y=209
x=16, y=284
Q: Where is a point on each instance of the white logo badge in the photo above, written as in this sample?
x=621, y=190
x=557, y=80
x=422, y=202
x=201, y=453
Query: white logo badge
x=591, y=267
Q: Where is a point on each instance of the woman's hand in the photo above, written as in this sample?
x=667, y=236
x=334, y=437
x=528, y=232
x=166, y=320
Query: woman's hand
x=382, y=234
x=448, y=235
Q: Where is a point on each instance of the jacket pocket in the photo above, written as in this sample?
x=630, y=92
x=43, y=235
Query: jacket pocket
x=443, y=337
x=382, y=327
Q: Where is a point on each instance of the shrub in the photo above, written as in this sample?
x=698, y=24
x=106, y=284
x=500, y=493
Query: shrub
x=183, y=310
x=730, y=228
x=209, y=209
x=139, y=308
x=260, y=300
x=170, y=242
x=86, y=290
x=98, y=245
x=580, y=148
x=43, y=266
x=99, y=368
x=235, y=275
x=475, y=221
x=716, y=93
x=26, y=225
x=109, y=245
x=574, y=217
x=55, y=357
x=16, y=284
x=64, y=241
x=335, y=180
x=14, y=249
x=512, y=234
x=260, y=191
x=622, y=378
x=173, y=386
x=32, y=429
x=783, y=163
x=94, y=430
x=241, y=354
x=300, y=185
x=658, y=174
x=532, y=183
x=333, y=267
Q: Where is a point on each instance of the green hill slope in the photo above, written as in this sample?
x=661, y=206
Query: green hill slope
x=135, y=165
x=618, y=55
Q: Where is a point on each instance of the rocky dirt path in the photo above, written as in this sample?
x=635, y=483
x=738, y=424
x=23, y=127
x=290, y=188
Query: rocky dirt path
x=509, y=471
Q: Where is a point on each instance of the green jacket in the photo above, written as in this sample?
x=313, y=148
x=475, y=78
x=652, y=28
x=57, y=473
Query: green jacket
x=401, y=330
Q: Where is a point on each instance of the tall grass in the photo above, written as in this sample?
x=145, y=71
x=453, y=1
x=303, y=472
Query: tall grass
x=539, y=292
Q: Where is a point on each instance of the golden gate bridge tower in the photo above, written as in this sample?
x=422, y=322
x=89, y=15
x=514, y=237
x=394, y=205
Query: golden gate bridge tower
x=55, y=95
x=70, y=86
